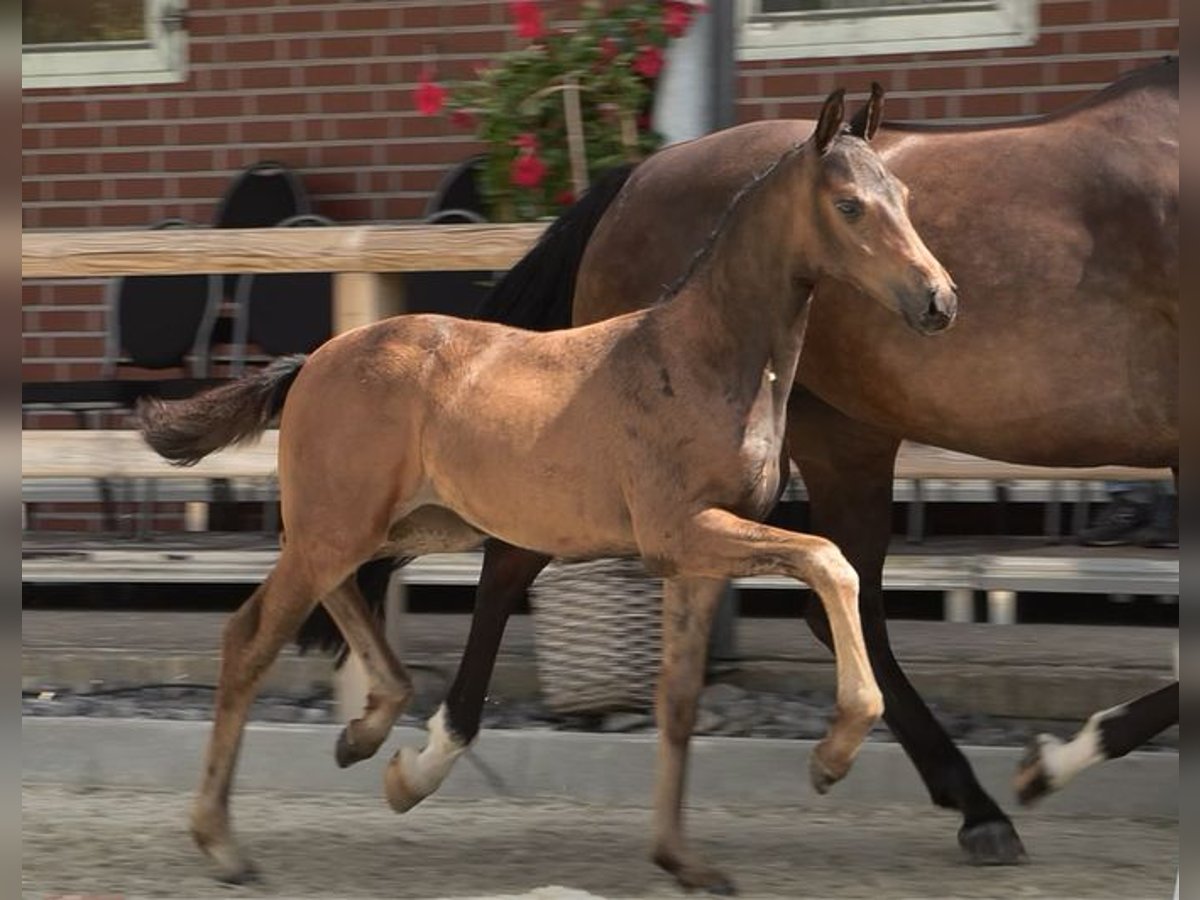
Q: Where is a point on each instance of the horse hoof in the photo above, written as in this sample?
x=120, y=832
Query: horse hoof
x=399, y=784
x=1032, y=781
x=345, y=751
x=248, y=874
x=993, y=843
x=822, y=775
x=693, y=876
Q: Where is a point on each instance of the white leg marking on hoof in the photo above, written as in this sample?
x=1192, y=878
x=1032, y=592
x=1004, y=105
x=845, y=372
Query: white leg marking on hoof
x=420, y=774
x=1063, y=761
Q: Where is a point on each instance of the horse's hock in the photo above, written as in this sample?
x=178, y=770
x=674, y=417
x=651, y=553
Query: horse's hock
x=597, y=628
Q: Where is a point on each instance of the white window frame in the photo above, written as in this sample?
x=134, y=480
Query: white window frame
x=160, y=58
x=953, y=25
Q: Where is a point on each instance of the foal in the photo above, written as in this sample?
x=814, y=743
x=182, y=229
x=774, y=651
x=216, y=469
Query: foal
x=657, y=434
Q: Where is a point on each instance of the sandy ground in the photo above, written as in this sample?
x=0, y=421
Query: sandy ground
x=134, y=844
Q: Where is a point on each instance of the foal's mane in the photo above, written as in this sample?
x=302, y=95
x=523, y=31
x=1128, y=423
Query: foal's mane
x=701, y=256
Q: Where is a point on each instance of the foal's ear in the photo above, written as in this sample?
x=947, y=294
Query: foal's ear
x=866, y=121
x=831, y=119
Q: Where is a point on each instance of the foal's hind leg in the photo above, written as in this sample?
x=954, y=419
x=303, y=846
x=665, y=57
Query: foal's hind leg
x=253, y=637
x=390, y=687
x=507, y=574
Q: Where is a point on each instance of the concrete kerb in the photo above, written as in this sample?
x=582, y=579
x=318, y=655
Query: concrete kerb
x=589, y=768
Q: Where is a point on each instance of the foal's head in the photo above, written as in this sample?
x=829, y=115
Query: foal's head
x=860, y=227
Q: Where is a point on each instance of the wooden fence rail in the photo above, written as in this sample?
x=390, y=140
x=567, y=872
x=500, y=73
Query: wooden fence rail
x=364, y=258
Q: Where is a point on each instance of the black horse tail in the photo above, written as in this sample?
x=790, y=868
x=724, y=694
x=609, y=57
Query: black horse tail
x=186, y=431
x=536, y=293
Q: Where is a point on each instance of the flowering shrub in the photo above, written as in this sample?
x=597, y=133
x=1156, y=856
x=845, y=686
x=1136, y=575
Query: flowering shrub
x=567, y=106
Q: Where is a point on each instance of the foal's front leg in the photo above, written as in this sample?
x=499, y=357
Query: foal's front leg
x=688, y=608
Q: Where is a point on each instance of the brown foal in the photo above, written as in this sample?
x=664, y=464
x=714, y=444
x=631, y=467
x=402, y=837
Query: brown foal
x=657, y=434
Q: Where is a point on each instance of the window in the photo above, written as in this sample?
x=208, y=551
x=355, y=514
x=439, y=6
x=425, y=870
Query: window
x=79, y=43
x=774, y=29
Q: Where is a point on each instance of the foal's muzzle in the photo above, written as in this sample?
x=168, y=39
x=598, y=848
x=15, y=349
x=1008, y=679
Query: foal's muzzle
x=931, y=309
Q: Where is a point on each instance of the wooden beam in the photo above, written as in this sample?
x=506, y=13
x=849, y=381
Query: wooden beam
x=359, y=248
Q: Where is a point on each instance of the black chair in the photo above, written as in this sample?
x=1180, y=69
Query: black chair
x=260, y=196
x=283, y=312
x=155, y=322
x=457, y=200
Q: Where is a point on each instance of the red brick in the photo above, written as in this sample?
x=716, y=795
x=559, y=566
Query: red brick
x=61, y=217
x=69, y=111
x=362, y=18
x=349, y=209
x=297, y=22
x=365, y=129
x=340, y=47
x=797, y=84
x=79, y=191
x=188, y=160
x=88, y=137
x=1073, y=12
x=274, y=77
x=357, y=102
x=1165, y=39
x=75, y=347
x=251, y=51
x=206, y=186
x=267, y=131
x=133, y=216
x=133, y=135
x=218, y=106
x=942, y=78
x=139, y=188
x=1111, y=41
x=62, y=163
x=124, y=163
x=282, y=104
x=328, y=75
x=1135, y=10
x=52, y=320
x=203, y=133
x=421, y=17
x=989, y=105
x=1088, y=71
x=471, y=14
x=1019, y=74
x=345, y=156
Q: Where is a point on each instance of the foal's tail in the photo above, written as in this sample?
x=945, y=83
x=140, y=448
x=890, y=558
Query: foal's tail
x=186, y=431
x=536, y=293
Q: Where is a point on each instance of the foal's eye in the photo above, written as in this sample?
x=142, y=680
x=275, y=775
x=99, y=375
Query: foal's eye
x=850, y=208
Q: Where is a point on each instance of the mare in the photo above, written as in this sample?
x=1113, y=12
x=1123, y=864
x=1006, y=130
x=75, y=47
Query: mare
x=656, y=434
x=1062, y=235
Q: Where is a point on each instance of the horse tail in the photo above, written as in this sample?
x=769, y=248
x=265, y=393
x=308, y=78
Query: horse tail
x=536, y=293
x=186, y=431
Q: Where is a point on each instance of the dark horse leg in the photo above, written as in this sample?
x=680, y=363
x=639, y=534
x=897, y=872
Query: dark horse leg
x=507, y=574
x=848, y=472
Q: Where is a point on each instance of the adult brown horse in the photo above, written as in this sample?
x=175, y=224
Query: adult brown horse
x=657, y=434
x=1062, y=233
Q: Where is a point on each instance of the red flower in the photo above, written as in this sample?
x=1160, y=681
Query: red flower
x=430, y=95
x=609, y=48
x=529, y=18
x=565, y=197
x=677, y=16
x=462, y=118
x=527, y=141
x=527, y=170
x=649, y=61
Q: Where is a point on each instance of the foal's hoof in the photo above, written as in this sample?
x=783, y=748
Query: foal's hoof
x=822, y=774
x=232, y=867
x=347, y=753
x=1033, y=781
x=401, y=781
x=248, y=874
x=696, y=876
x=993, y=843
